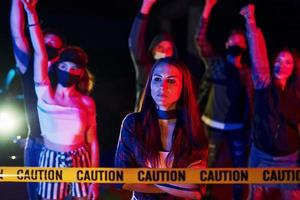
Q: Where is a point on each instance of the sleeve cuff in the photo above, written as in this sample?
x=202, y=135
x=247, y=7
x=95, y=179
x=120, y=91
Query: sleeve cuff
x=142, y=16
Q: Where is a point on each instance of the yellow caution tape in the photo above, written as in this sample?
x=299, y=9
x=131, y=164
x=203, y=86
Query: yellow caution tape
x=146, y=175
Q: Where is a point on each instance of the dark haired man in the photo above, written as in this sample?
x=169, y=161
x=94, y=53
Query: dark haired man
x=228, y=88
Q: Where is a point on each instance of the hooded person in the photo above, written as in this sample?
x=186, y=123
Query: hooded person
x=227, y=88
x=143, y=58
x=162, y=46
x=54, y=42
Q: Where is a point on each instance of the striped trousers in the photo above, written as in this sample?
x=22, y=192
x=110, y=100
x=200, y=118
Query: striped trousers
x=76, y=158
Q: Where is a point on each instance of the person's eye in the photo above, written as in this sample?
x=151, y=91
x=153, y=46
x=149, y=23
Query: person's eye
x=156, y=79
x=171, y=81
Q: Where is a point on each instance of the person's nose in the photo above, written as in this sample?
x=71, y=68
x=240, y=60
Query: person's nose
x=163, y=85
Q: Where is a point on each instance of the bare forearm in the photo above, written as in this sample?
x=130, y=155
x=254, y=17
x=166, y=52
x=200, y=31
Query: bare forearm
x=20, y=42
x=35, y=33
x=17, y=19
x=92, y=139
x=209, y=5
x=94, y=146
x=146, y=6
x=40, y=55
x=207, y=11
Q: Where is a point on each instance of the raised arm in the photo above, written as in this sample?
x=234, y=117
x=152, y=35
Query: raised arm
x=202, y=44
x=258, y=51
x=136, y=42
x=39, y=49
x=21, y=48
x=136, y=39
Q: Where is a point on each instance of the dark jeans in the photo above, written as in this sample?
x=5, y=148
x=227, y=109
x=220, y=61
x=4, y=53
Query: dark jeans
x=32, y=151
x=259, y=158
x=237, y=141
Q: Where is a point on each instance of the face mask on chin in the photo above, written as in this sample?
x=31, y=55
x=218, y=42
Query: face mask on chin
x=235, y=50
x=280, y=75
x=159, y=55
x=51, y=52
x=67, y=79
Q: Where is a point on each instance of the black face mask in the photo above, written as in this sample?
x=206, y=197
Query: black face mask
x=66, y=79
x=235, y=50
x=51, y=52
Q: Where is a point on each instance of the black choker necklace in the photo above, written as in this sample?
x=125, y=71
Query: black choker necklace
x=169, y=114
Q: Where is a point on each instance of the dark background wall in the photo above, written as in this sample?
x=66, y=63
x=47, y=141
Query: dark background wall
x=102, y=30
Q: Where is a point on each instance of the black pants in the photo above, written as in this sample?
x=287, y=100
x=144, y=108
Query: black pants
x=237, y=141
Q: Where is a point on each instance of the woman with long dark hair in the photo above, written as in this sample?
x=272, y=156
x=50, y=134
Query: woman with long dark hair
x=275, y=125
x=165, y=133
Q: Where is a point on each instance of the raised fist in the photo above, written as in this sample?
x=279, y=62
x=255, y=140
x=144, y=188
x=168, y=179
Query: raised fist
x=248, y=12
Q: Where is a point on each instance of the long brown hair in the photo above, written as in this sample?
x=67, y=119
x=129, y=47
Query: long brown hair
x=296, y=60
x=190, y=133
x=86, y=83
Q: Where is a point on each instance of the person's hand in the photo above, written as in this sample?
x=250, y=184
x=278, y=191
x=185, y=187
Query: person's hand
x=197, y=165
x=149, y=2
x=29, y=5
x=248, y=12
x=210, y=3
x=147, y=5
x=93, y=191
